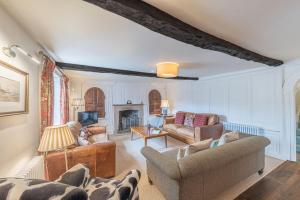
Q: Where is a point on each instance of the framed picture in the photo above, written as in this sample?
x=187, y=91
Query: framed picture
x=13, y=90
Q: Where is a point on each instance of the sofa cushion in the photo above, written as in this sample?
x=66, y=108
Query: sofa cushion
x=199, y=146
x=77, y=176
x=214, y=143
x=179, y=118
x=187, y=131
x=181, y=153
x=94, y=130
x=212, y=120
x=193, y=148
x=172, y=127
x=75, y=128
x=200, y=120
x=228, y=137
x=189, y=120
x=110, y=189
x=83, y=138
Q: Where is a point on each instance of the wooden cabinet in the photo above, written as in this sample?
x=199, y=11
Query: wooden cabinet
x=95, y=101
x=154, y=102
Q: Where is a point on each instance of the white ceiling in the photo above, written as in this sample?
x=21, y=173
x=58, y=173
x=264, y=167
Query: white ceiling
x=79, y=32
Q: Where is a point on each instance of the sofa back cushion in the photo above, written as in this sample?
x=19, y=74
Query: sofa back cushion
x=228, y=137
x=200, y=120
x=189, y=119
x=212, y=120
x=179, y=119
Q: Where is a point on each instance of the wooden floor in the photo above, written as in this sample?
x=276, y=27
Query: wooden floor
x=283, y=183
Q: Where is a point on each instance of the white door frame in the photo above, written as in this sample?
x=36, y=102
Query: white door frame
x=289, y=117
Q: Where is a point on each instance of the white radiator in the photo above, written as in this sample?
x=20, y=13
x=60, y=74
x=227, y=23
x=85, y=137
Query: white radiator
x=243, y=128
x=34, y=169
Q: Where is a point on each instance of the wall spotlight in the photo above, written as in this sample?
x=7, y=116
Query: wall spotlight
x=9, y=52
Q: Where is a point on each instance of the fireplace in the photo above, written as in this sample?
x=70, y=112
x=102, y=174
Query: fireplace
x=128, y=118
x=127, y=115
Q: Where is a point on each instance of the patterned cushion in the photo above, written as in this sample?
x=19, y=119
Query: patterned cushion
x=228, y=137
x=200, y=120
x=75, y=128
x=106, y=189
x=27, y=189
x=179, y=119
x=83, y=138
x=189, y=120
x=77, y=176
x=198, y=146
x=212, y=120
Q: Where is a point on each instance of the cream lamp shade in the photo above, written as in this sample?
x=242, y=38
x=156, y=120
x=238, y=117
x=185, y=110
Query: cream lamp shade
x=56, y=138
x=164, y=104
x=77, y=102
x=167, y=69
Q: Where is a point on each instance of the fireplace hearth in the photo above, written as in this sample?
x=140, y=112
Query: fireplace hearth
x=128, y=118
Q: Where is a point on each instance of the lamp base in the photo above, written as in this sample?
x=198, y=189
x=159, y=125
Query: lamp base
x=164, y=111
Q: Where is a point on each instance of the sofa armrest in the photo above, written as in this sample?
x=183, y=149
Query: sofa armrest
x=98, y=157
x=166, y=165
x=210, y=131
x=95, y=130
x=169, y=120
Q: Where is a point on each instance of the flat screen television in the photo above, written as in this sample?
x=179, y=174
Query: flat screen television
x=87, y=118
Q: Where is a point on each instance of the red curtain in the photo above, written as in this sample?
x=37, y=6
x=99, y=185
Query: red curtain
x=64, y=99
x=47, y=89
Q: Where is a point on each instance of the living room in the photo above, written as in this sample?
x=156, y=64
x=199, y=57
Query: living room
x=138, y=89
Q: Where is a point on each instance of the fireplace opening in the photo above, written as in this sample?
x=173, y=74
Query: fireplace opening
x=128, y=118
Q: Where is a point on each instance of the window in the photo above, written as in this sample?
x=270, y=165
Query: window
x=56, y=99
x=154, y=102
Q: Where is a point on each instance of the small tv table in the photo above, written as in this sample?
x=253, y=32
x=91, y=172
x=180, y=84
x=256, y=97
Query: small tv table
x=144, y=133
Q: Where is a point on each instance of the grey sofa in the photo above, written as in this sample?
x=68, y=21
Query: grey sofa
x=205, y=174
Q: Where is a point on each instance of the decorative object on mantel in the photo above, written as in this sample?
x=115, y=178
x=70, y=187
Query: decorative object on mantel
x=164, y=107
x=129, y=102
x=167, y=69
x=9, y=52
x=56, y=138
x=13, y=90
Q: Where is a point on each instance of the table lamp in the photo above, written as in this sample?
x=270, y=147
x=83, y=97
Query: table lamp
x=164, y=107
x=56, y=138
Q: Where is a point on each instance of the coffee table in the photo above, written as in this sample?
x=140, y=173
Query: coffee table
x=143, y=132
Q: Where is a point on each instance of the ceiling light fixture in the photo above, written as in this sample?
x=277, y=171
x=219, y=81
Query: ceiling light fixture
x=9, y=52
x=167, y=69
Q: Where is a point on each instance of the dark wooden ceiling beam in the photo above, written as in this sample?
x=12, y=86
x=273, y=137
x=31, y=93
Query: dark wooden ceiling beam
x=75, y=67
x=163, y=23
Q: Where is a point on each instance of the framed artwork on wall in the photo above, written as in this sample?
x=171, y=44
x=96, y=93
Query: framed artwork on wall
x=14, y=90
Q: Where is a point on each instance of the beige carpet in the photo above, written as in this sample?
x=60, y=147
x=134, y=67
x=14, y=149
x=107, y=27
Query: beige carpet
x=129, y=157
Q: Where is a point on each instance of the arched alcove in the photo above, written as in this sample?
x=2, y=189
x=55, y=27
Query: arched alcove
x=95, y=101
x=154, y=102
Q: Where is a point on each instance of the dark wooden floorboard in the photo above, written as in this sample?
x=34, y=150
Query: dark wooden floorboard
x=283, y=183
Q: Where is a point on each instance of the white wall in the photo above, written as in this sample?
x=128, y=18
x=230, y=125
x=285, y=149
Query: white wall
x=251, y=97
x=19, y=134
x=116, y=92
